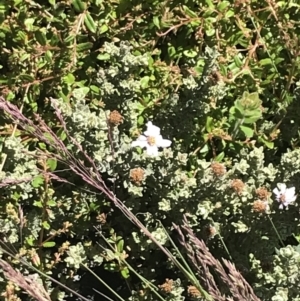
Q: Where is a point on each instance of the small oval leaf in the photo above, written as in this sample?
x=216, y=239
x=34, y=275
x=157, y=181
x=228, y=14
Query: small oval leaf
x=49, y=244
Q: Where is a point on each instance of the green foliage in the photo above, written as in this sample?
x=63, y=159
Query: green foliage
x=220, y=78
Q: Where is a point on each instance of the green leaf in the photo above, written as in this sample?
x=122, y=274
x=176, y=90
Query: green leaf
x=51, y=164
x=210, y=31
x=140, y=120
x=237, y=61
x=26, y=78
x=24, y=57
x=252, y=113
x=49, y=244
x=93, y=206
x=247, y=131
x=265, y=62
x=42, y=145
x=237, y=113
x=51, y=203
x=120, y=245
x=204, y=149
x=252, y=119
x=37, y=181
x=29, y=23
x=61, y=134
x=41, y=37
x=69, y=79
x=49, y=138
x=21, y=35
x=209, y=124
x=78, y=5
x=89, y=23
x=81, y=92
x=267, y=143
x=189, y=12
x=95, y=89
x=171, y=51
x=49, y=56
x=220, y=157
x=222, y=6
x=190, y=53
x=103, y=28
x=210, y=4
x=38, y=204
x=125, y=273
x=156, y=22
x=30, y=240
x=103, y=57
x=208, y=12
x=144, y=82
x=84, y=46
x=46, y=225
x=69, y=39
x=229, y=14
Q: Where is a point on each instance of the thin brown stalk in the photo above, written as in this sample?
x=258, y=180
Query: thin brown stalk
x=40, y=130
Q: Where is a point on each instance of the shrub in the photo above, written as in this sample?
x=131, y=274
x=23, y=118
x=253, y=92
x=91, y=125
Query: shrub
x=82, y=80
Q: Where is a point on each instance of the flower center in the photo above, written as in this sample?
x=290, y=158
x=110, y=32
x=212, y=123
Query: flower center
x=282, y=198
x=151, y=140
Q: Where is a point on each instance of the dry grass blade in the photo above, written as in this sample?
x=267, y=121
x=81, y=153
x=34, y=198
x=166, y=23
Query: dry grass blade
x=203, y=260
x=90, y=175
x=30, y=285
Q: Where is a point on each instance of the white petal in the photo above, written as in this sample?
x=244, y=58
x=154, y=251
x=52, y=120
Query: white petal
x=276, y=191
x=152, y=130
x=290, y=192
x=152, y=150
x=282, y=187
x=142, y=138
x=160, y=142
x=141, y=142
x=149, y=123
x=281, y=206
x=292, y=199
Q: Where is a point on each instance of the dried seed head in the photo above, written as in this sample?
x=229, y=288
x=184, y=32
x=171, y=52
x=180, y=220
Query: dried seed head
x=137, y=175
x=11, y=211
x=35, y=258
x=101, y=218
x=237, y=185
x=215, y=77
x=167, y=286
x=10, y=291
x=262, y=193
x=193, y=291
x=218, y=169
x=230, y=75
x=142, y=293
x=260, y=206
x=210, y=231
x=115, y=118
x=274, y=135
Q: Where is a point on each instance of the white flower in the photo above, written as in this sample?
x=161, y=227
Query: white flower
x=152, y=140
x=285, y=196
